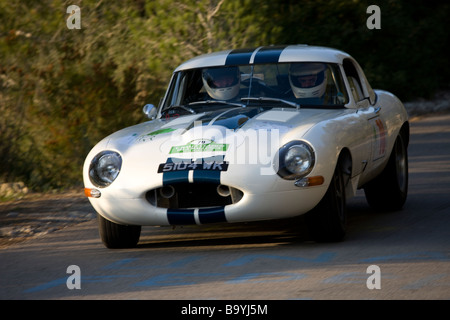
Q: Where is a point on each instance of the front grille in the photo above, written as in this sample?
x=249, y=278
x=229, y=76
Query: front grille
x=193, y=195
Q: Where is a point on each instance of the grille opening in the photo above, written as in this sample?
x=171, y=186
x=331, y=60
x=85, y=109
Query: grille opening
x=193, y=195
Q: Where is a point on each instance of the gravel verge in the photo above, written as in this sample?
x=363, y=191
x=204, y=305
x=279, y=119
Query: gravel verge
x=37, y=214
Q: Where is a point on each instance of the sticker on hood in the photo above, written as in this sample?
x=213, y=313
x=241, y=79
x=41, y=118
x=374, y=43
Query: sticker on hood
x=149, y=136
x=199, y=145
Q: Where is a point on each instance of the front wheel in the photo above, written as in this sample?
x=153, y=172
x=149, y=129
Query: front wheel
x=327, y=221
x=116, y=236
x=389, y=190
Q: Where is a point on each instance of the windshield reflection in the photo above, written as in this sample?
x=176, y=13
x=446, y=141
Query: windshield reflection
x=303, y=84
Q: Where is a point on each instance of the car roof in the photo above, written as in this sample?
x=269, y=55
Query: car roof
x=268, y=54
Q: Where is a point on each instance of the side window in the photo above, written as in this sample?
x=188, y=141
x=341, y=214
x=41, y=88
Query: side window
x=353, y=80
x=169, y=95
x=336, y=83
x=191, y=87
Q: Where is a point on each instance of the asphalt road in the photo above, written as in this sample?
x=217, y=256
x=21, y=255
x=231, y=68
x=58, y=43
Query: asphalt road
x=399, y=255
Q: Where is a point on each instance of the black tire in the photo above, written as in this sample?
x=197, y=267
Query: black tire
x=389, y=190
x=115, y=236
x=327, y=221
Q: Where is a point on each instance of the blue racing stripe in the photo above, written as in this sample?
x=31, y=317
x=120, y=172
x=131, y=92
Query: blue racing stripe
x=172, y=177
x=207, y=176
x=175, y=177
x=269, y=54
x=212, y=215
x=239, y=56
x=180, y=216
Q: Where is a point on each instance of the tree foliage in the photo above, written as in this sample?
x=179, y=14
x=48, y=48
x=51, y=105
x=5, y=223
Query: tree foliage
x=63, y=90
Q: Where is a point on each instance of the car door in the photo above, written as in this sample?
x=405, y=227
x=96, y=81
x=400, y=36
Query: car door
x=371, y=114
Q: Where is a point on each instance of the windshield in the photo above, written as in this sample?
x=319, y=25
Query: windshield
x=305, y=84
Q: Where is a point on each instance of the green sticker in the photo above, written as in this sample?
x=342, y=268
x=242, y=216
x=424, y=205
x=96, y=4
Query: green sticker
x=149, y=136
x=154, y=133
x=209, y=147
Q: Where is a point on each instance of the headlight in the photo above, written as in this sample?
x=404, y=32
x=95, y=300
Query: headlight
x=296, y=160
x=105, y=168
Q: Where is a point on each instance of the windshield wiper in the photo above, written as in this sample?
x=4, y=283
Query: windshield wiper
x=190, y=110
x=217, y=102
x=287, y=102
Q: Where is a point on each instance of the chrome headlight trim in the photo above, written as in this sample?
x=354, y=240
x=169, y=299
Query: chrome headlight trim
x=296, y=160
x=105, y=168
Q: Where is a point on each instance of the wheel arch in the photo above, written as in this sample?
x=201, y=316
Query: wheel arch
x=405, y=131
x=345, y=161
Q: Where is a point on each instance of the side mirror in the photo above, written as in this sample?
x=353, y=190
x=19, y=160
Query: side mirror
x=150, y=111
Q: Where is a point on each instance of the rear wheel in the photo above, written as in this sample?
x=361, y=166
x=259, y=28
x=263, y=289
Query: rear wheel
x=327, y=221
x=389, y=190
x=116, y=236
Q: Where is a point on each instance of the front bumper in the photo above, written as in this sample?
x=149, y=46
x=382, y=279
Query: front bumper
x=251, y=207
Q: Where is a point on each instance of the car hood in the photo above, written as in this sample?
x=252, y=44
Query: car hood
x=218, y=130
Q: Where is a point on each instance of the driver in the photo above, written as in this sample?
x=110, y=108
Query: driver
x=221, y=83
x=308, y=80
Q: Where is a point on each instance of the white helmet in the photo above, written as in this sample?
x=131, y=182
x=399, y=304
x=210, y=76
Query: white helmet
x=308, y=80
x=221, y=83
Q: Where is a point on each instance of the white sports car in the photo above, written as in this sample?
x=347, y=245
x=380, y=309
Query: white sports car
x=253, y=134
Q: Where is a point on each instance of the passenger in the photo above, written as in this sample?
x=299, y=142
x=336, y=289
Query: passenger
x=308, y=80
x=222, y=83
